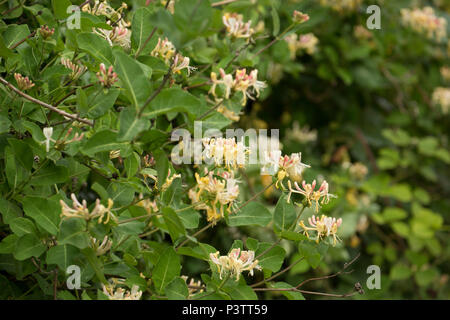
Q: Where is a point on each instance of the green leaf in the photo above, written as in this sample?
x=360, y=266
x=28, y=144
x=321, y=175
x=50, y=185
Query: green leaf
x=49, y=175
x=8, y=244
x=400, y=272
x=9, y=211
x=167, y=268
x=23, y=153
x=62, y=255
x=394, y=214
x=133, y=79
x=22, y=226
x=177, y=289
x=284, y=214
x=174, y=99
x=28, y=246
x=162, y=166
x=73, y=232
x=254, y=213
x=60, y=8
x=104, y=140
x=131, y=125
x=141, y=28
x=100, y=102
x=96, y=46
x=291, y=295
x=313, y=253
x=44, y=211
x=426, y=277
x=272, y=259
x=173, y=223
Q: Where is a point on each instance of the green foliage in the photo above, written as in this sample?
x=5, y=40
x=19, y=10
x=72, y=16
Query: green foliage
x=99, y=189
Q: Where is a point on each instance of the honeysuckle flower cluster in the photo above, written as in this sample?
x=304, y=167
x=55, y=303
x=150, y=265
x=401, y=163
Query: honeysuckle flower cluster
x=302, y=135
x=114, y=293
x=236, y=262
x=307, y=42
x=106, y=77
x=119, y=34
x=23, y=83
x=325, y=227
x=165, y=50
x=236, y=27
x=299, y=17
x=225, y=152
x=80, y=210
x=213, y=193
x=193, y=286
x=77, y=69
x=358, y=170
x=311, y=195
x=342, y=5
x=283, y=166
x=248, y=84
x=101, y=247
x=424, y=21
x=441, y=97
x=46, y=32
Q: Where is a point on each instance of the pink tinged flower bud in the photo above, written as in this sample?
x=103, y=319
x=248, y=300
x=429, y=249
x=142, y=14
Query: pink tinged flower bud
x=300, y=17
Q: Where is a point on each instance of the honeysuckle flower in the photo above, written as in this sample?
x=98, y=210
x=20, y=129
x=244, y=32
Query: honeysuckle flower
x=102, y=8
x=236, y=27
x=106, y=77
x=119, y=35
x=193, y=286
x=283, y=166
x=311, y=195
x=147, y=204
x=164, y=49
x=308, y=42
x=114, y=154
x=441, y=97
x=24, y=83
x=60, y=144
x=101, y=247
x=48, y=132
x=80, y=210
x=114, y=293
x=77, y=69
x=425, y=21
x=236, y=262
x=358, y=170
x=302, y=135
x=170, y=7
x=226, y=152
x=248, y=84
x=325, y=227
x=46, y=32
x=212, y=191
x=169, y=180
x=299, y=17
x=180, y=63
x=342, y=5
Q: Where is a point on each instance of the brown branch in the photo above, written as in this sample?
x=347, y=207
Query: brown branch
x=345, y=295
x=277, y=274
x=71, y=93
x=346, y=265
x=8, y=11
x=44, y=104
x=31, y=35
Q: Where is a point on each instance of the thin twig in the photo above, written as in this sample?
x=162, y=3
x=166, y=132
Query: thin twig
x=31, y=35
x=277, y=274
x=220, y=3
x=44, y=104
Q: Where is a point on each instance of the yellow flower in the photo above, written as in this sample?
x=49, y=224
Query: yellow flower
x=235, y=262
